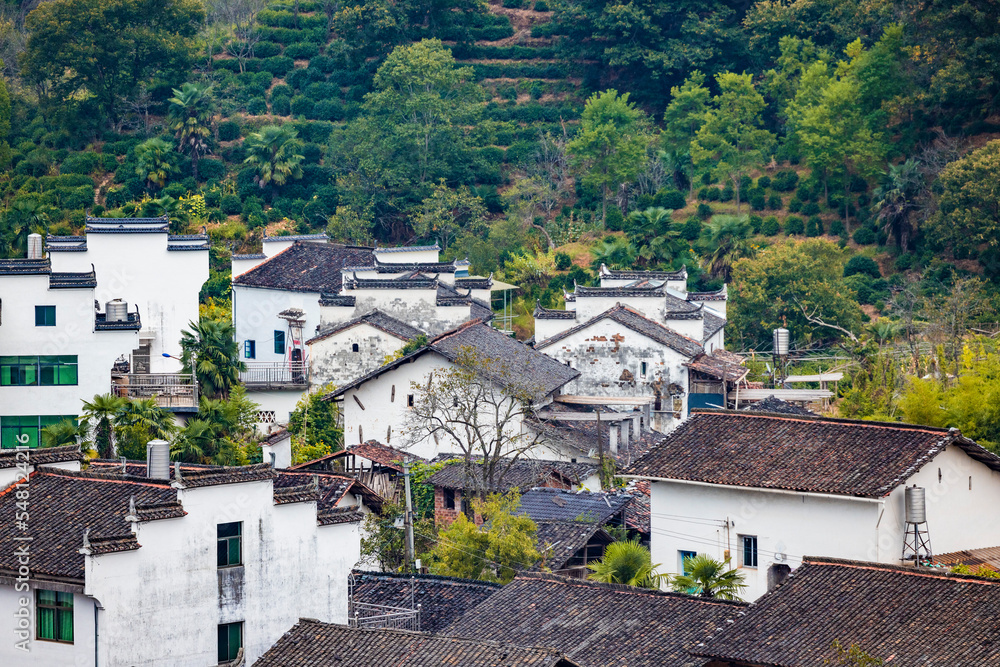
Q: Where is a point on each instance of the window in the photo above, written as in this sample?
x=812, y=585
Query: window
x=45, y=371
x=642, y=369
x=449, y=499
x=279, y=342
x=25, y=431
x=54, y=616
x=354, y=347
x=230, y=641
x=683, y=556
x=748, y=550
x=250, y=349
x=230, y=544
x=45, y=316
x=409, y=400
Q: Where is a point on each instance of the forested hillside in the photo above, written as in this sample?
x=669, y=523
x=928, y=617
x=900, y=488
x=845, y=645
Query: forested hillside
x=837, y=163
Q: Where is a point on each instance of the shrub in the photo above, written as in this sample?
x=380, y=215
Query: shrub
x=328, y=110
x=756, y=223
x=904, y=262
x=537, y=90
x=795, y=205
x=703, y=194
x=794, y=225
x=714, y=194
x=117, y=197
x=757, y=202
x=859, y=264
x=541, y=6
x=209, y=169
x=614, y=220
x=282, y=90
x=771, y=226
x=229, y=130
x=212, y=197
x=814, y=226
x=865, y=236
x=837, y=227
x=252, y=206
x=774, y=202
x=671, y=199
x=785, y=181
x=812, y=208
x=257, y=106
x=80, y=163
x=727, y=193
x=764, y=182
x=108, y=162
x=691, y=229
x=281, y=106
x=804, y=193
x=704, y=211
x=302, y=106
x=175, y=190
x=301, y=51
x=745, y=183
x=266, y=49
x=563, y=261
x=231, y=205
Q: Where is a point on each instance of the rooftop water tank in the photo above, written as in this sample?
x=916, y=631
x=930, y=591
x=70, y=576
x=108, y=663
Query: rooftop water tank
x=117, y=310
x=781, y=342
x=34, y=246
x=158, y=459
x=916, y=506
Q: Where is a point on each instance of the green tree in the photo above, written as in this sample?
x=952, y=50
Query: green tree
x=616, y=253
x=710, y=578
x=505, y=545
x=209, y=350
x=25, y=216
x=627, y=563
x=969, y=217
x=274, y=153
x=136, y=423
x=155, y=161
x=683, y=118
x=447, y=213
x=190, y=116
x=351, y=226
x=728, y=238
x=731, y=140
x=896, y=199
x=66, y=432
x=610, y=147
x=109, y=47
x=650, y=231
x=100, y=412
x=315, y=425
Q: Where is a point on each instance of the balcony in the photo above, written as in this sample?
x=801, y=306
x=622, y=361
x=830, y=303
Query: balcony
x=177, y=392
x=262, y=375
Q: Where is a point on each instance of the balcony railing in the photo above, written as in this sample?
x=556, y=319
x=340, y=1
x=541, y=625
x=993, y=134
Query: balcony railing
x=380, y=617
x=172, y=391
x=275, y=375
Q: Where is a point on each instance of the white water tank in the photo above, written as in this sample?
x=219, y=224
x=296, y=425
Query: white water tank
x=916, y=505
x=117, y=310
x=34, y=246
x=158, y=459
x=781, y=342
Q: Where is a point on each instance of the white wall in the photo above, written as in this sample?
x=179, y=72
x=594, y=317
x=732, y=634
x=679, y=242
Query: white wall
x=282, y=402
x=333, y=360
x=255, y=317
x=418, y=255
x=163, y=602
x=139, y=268
x=48, y=653
x=73, y=334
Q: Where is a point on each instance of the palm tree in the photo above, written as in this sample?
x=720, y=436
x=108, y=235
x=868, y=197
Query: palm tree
x=651, y=231
x=100, y=412
x=896, y=199
x=193, y=442
x=728, y=234
x=189, y=116
x=137, y=422
x=274, y=152
x=64, y=433
x=627, y=563
x=155, y=161
x=616, y=253
x=209, y=350
x=24, y=217
x=172, y=208
x=709, y=578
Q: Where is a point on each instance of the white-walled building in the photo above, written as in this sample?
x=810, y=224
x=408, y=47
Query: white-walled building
x=127, y=570
x=136, y=259
x=767, y=490
x=378, y=405
x=58, y=345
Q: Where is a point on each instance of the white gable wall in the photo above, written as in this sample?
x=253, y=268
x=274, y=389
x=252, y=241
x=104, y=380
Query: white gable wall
x=332, y=360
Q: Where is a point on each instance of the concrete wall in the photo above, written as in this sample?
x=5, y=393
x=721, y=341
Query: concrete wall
x=73, y=334
x=416, y=307
x=42, y=653
x=255, y=317
x=333, y=360
x=163, y=602
x=139, y=268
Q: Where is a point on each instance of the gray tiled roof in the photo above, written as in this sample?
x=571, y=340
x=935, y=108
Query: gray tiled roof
x=25, y=267
x=900, y=615
x=82, y=280
x=713, y=323
x=635, y=321
x=522, y=474
x=304, y=267
x=599, y=625
x=296, y=237
x=9, y=458
x=542, y=313
x=819, y=455
x=374, y=318
x=413, y=248
x=311, y=642
x=644, y=275
x=545, y=504
x=560, y=541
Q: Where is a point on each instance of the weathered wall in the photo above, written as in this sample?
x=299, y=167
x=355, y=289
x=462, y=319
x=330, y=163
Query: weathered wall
x=333, y=360
x=48, y=653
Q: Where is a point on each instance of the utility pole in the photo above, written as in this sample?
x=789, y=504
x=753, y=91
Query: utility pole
x=408, y=519
x=600, y=450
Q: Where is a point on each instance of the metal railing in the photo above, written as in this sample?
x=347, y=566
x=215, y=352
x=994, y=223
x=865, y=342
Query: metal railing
x=275, y=374
x=379, y=617
x=171, y=390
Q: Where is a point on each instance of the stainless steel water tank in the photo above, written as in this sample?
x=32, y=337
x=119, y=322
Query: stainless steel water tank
x=780, y=337
x=916, y=506
x=158, y=459
x=117, y=310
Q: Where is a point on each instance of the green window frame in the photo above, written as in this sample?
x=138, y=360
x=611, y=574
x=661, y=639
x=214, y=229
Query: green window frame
x=230, y=544
x=49, y=370
x=249, y=349
x=54, y=616
x=279, y=342
x=45, y=316
x=230, y=641
x=25, y=430
x=684, y=556
x=749, y=548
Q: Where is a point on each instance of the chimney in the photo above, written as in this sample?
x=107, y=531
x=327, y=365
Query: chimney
x=158, y=459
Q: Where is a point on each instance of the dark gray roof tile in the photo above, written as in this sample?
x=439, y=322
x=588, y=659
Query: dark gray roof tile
x=305, y=267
